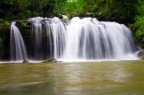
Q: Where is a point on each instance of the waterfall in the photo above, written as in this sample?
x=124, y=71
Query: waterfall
x=90, y=39
x=58, y=33
x=49, y=39
x=85, y=39
x=18, y=50
x=37, y=28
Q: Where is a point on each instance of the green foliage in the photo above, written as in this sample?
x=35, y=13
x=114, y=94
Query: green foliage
x=25, y=25
x=122, y=11
x=6, y=24
x=116, y=10
x=70, y=8
x=129, y=12
x=138, y=25
x=1, y=40
x=20, y=9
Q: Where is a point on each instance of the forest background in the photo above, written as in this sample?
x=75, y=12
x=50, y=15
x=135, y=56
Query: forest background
x=128, y=12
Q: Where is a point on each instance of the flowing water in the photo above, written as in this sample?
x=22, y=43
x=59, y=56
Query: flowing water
x=86, y=39
x=37, y=28
x=95, y=78
x=18, y=49
x=90, y=39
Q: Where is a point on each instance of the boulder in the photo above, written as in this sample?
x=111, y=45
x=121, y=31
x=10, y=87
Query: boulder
x=50, y=61
x=25, y=61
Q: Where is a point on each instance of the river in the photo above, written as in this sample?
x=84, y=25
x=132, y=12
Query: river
x=94, y=78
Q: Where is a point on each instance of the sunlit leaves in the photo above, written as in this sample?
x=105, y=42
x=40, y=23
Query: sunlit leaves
x=138, y=25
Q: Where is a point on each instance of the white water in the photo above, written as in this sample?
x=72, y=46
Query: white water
x=49, y=39
x=56, y=36
x=88, y=39
x=18, y=50
x=37, y=28
x=79, y=40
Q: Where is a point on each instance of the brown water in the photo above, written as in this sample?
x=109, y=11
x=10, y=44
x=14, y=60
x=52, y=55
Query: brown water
x=97, y=78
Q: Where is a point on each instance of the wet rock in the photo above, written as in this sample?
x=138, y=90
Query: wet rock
x=50, y=61
x=25, y=61
x=141, y=54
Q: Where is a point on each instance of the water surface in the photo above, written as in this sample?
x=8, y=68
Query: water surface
x=95, y=78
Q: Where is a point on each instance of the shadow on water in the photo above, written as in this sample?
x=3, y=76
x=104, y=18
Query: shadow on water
x=94, y=78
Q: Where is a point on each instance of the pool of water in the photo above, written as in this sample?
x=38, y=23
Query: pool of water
x=94, y=78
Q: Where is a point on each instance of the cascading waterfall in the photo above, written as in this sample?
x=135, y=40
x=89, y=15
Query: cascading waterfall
x=56, y=36
x=49, y=38
x=37, y=28
x=18, y=50
x=84, y=39
x=90, y=39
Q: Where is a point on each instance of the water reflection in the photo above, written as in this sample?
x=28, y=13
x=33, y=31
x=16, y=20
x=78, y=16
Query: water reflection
x=119, y=75
x=83, y=77
x=116, y=78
